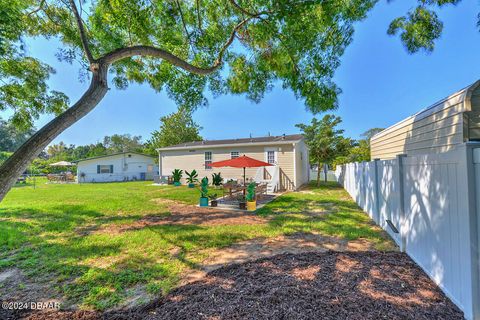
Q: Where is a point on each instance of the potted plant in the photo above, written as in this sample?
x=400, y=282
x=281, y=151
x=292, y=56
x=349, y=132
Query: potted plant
x=192, y=178
x=213, y=200
x=251, y=201
x=177, y=176
x=217, y=179
x=242, y=205
x=204, y=192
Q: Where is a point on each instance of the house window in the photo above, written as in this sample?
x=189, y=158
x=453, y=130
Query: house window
x=234, y=154
x=102, y=168
x=271, y=157
x=208, y=160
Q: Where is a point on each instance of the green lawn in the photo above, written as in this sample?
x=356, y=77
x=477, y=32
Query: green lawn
x=44, y=231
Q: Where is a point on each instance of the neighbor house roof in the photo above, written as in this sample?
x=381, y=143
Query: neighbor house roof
x=463, y=96
x=113, y=154
x=269, y=140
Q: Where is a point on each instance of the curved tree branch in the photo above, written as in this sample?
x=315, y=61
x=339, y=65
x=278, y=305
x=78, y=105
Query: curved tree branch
x=246, y=12
x=40, y=7
x=83, y=36
x=150, y=51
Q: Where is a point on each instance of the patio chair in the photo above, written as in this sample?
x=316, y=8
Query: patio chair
x=69, y=177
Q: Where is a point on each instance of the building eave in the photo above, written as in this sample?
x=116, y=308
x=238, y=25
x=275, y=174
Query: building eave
x=232, y=145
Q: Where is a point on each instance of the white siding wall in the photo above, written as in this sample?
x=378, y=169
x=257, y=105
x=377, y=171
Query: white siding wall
x=124, y=168
x=439, y=128
x=429, y=199
x=302, y=165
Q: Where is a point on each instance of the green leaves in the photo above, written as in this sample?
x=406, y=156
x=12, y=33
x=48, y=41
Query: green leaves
x=324, y=140
x=421, y=27
x=24, y=90
x=418, y=30
x=175, y=128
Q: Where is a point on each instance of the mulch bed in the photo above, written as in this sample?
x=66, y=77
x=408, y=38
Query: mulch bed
x=329, y=285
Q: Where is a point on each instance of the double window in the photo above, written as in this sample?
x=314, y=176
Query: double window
x=102, y=168
x=234, y=154
x=208, y=160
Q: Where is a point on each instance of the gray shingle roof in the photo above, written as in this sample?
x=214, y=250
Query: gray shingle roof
x=226, y=142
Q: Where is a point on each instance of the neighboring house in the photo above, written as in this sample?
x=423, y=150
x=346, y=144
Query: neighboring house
x=441, y=127
x=287, y=153
x=125, y=166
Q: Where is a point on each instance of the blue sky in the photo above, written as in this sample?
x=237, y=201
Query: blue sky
x=381, y=85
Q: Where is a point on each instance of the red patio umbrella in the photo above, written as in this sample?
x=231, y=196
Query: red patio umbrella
x=241, y=162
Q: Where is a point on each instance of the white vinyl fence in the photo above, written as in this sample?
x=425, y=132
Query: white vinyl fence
x=428, y=205
x=330, y=175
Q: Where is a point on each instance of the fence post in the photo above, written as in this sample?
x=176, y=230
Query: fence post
x=472, y=174
x=376, y=215
x=401, y=194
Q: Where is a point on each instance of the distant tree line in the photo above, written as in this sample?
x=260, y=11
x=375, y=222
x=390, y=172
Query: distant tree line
x=177, y=127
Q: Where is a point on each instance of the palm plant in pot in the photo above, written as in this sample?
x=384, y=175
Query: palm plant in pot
x=213, y=199
x=217, y=180
x=177, y=176
x=251, y=201
x=204, y=192
x=192, y=178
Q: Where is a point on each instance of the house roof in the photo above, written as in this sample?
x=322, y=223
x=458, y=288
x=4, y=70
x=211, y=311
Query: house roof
x=463, y=96
x=111, y=155
x=269, y=140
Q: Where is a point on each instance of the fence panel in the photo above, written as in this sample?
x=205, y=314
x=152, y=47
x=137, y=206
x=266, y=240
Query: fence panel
x=427, y=199
x=389, y=197
x=437, y=225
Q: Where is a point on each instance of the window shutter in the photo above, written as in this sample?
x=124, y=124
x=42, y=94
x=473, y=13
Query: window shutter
x=111, y=168
x=98, y=168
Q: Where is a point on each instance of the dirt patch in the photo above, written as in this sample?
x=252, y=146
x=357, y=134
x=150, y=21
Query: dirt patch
x=182, y=214
x=15, y=286
x=320, y=285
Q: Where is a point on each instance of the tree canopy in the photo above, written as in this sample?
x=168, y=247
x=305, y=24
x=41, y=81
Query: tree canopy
x=172, y=45
x=420, y=27
x=175, y=128
x=11, y=138
x=111, y=144
x=325, y=140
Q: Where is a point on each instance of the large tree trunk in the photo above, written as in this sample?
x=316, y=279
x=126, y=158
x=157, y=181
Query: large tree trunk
x=16, y=164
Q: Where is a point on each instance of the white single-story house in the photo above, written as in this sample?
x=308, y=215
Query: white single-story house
x=287, y=153
x=124, y=166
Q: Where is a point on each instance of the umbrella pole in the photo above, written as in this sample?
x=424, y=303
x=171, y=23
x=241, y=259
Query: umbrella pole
x=244, y=181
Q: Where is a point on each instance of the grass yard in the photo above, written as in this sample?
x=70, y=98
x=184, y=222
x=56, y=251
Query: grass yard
x=61, y=236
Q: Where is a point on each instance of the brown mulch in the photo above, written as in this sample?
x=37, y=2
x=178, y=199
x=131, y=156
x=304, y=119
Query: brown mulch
x=328, y=285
